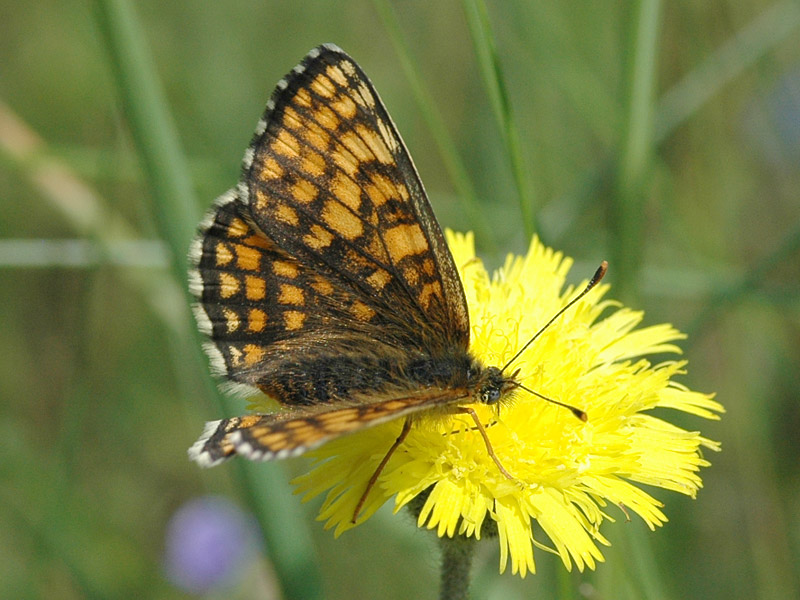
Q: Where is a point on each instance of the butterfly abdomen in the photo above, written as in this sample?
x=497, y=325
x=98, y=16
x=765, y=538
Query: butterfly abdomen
x=332, y=379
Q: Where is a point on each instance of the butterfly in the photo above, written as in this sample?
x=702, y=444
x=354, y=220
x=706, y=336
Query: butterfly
x=323, y=279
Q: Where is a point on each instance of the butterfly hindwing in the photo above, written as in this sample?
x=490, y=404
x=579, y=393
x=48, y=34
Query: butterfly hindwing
x=282, y=435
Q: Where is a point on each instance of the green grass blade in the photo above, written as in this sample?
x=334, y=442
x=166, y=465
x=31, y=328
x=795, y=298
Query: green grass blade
x=635, y=163
x=175, y=210
x=635, y=158
x=153, y=130
x=489, y=62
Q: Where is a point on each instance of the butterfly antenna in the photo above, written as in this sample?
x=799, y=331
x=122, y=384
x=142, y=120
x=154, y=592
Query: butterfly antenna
x=574, y=410
x=598, y=275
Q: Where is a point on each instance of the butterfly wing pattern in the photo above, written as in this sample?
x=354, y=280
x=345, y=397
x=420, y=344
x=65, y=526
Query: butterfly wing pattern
x=323, y=278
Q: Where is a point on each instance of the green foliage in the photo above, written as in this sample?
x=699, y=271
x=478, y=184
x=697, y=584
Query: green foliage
x=663, y=136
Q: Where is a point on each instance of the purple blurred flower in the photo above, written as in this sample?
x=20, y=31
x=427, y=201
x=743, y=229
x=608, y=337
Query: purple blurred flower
x=208, y=540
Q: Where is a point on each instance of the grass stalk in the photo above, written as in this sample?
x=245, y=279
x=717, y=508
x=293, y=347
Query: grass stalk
x=489, y=62
x=174, y=208
x=636, y=151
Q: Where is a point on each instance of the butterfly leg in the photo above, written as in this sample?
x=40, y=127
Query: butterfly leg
x=471, y=412
x=473, y=428
x=372, y=480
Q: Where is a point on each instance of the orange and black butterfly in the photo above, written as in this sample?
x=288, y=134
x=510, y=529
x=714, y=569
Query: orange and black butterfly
x=324, y=280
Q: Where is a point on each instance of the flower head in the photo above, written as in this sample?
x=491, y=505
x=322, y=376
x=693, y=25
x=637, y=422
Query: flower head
x=566, y=472
x=208, y=541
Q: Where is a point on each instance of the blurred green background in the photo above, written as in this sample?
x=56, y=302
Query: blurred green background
x=664, y=137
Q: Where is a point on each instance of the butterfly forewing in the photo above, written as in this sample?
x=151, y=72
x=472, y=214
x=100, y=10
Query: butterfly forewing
x=330, y=180
x=261, y=307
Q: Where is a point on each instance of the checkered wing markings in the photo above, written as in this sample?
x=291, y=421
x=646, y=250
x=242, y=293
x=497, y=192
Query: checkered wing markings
x=290, y=434
x=332, y=183
x=258, y=304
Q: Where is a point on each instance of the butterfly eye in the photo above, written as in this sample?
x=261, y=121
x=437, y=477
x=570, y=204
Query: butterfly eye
x=490, y=395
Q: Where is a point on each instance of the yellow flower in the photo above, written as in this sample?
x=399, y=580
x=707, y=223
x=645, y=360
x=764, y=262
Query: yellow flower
x=566, y=471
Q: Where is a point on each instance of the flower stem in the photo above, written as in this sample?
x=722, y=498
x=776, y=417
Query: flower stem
x=457, y=553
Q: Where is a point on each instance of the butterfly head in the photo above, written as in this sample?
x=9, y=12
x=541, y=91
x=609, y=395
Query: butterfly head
x=495, y=385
